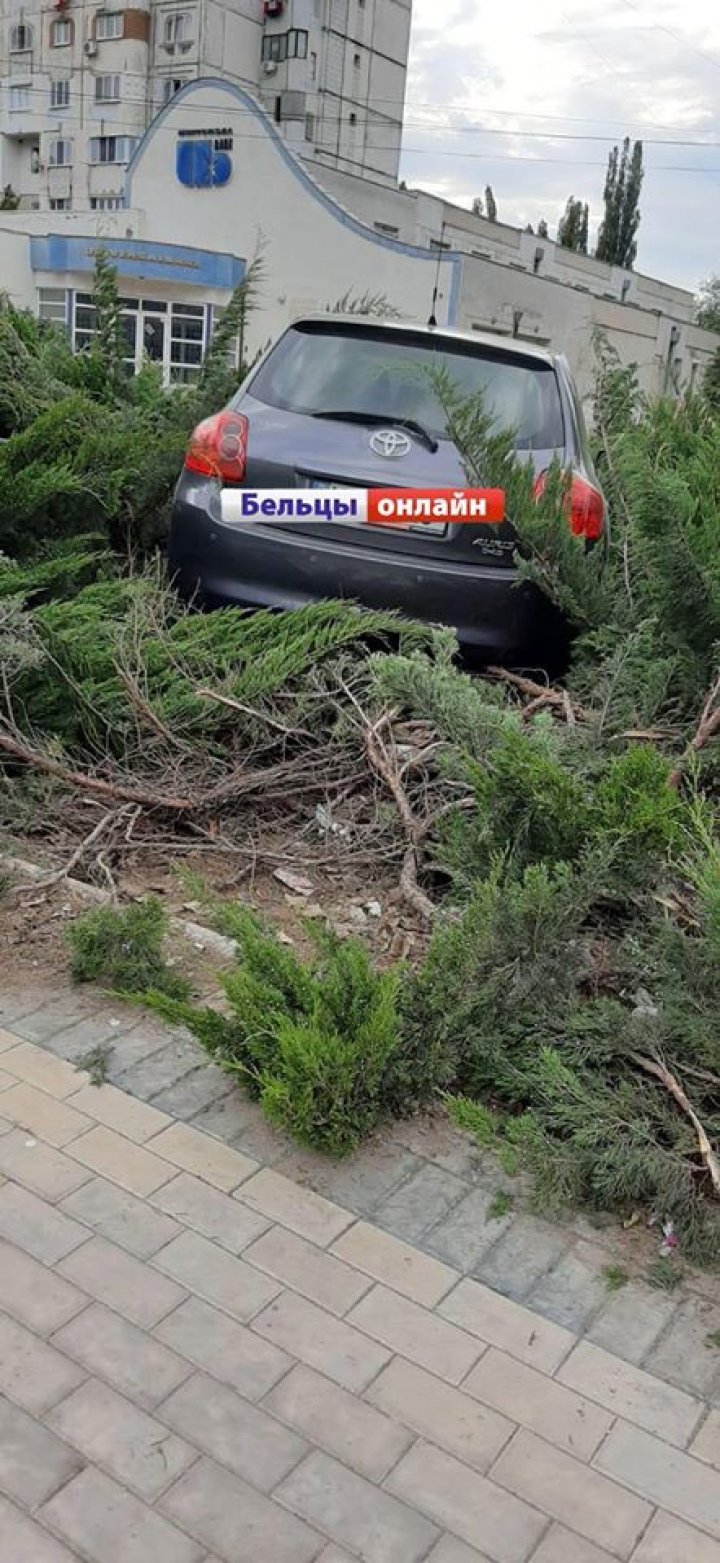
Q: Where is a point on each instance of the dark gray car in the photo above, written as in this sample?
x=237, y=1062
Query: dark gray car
x=344, y=401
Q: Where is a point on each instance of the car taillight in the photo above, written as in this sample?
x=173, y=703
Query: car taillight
x=218, y=447
x=584, y=506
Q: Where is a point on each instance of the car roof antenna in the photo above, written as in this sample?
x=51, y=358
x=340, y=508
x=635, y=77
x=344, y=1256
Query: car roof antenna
x=432, y=317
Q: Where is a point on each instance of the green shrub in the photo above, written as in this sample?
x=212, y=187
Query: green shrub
x=318, y=1044
x=122, y=947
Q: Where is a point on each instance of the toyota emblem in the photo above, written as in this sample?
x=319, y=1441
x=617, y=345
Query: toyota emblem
x=390, y=443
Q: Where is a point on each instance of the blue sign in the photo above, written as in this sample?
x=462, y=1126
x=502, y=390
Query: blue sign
x=139, y=258
x=200, y=166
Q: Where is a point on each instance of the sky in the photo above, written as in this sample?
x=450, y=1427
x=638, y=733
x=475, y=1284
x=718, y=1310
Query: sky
x=530, y=95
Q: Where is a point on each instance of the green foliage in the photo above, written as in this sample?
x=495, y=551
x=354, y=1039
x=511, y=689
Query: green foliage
x=95, y=1062
x=123, y=948
x=615, y=1277
x=664, y=1274
x=572, y=231
x=475, y=1119
x=500, y=1205
x=319, y=1045
x=707, y=311
x=617, y=238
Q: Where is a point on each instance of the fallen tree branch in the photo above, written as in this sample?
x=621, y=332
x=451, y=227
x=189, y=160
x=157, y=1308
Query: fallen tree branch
x=144, y=709
x=540, y=693
x=260, y=716
x=74, y=859
x=707, y=727
x=383, y=767
x=652, y=1066
x=104, y=789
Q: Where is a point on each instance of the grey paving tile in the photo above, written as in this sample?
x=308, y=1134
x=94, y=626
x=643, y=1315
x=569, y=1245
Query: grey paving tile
x=153, y=1074
x=516, y=1262
x=22, y=1541
x=574, y=1289
x=217, y=1276
x=465, y=1234
x=110, y=1431
x=224, y=1348
x=146, y=1038
x=360, y=1183
x=57, y=1014
x=195, y=1204
x=682, y=1356
x=35, y=1296
x=120, y=1217
x=40, y=1168
x=116, y=1278
x=355, y=1513
x=632, y=1321
x=15, y=1004
x=136, y=1364
x=33, y=1373
x=197, y=1090
x=105, y=1521
x=33, y=1462
x=241, y=1436
x=422, y=1200
x=339, y=1422
x=239, y=1524
x=90, y=1031
x=227, y=1118
x=37, y=1227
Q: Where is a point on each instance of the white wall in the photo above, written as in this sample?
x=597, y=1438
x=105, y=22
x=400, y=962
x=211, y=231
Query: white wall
x=313, y=252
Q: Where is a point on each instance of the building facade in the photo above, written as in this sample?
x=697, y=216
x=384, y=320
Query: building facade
x=214, y=180
x=81, y=82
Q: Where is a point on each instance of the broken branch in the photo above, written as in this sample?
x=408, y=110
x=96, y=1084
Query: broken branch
x=652, y=1066
x=707, y=727
x=541, y=693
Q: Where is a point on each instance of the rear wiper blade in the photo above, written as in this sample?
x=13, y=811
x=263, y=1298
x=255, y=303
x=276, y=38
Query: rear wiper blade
x=381, y=420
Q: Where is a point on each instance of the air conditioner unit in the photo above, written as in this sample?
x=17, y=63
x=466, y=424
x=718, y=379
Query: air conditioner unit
x=169, y=45
x=91, y=47
x=270, y=67
x=185, y=44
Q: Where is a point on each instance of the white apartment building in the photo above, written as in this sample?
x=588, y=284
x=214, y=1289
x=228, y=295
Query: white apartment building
x=81, y=81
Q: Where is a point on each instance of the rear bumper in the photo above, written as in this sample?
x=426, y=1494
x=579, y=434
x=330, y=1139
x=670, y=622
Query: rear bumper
x=278, y=567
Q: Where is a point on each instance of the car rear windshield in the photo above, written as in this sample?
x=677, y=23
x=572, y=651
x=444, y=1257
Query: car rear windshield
x=317, y=368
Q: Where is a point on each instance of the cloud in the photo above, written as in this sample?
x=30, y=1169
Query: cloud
x=531, y=99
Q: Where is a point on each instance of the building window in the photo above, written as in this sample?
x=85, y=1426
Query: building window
x=297, y=44
x=107, y=89
x=313, y=65
x=356, y=61
x=353, y=119
x=285, y=46
x=112, y=149
x=106, y=203
x=21, y=38
x=19, y=99
x=187, y=332
x=60, y=93
x=177, y=30
x=52, y=305
x=171, y=85
x=108, y=24
x=61, y=33
x=60, y=203
x=60, y=153
x=309, y=127
x=387, y=228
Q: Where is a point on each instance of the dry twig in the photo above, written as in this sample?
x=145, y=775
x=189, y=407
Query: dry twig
x=707, y=727
x=260, y=716
x=105, y=789
x=541, y=694
x=386, y=767
x=76, y=856
x=652, y=1066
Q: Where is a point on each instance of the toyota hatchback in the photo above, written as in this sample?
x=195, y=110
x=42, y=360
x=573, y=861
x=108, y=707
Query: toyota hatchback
x=345, y=401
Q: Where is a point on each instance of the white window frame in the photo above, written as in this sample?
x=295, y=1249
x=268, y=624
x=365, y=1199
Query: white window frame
x=104, y=31
x=124, y=149
x=111, y=96
x=177, y=29
x=60, y=152
x=19, y=98
x=60, y=203
x=167, y=95
x=60, y=93
x=106, y=203
x=61, y=32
